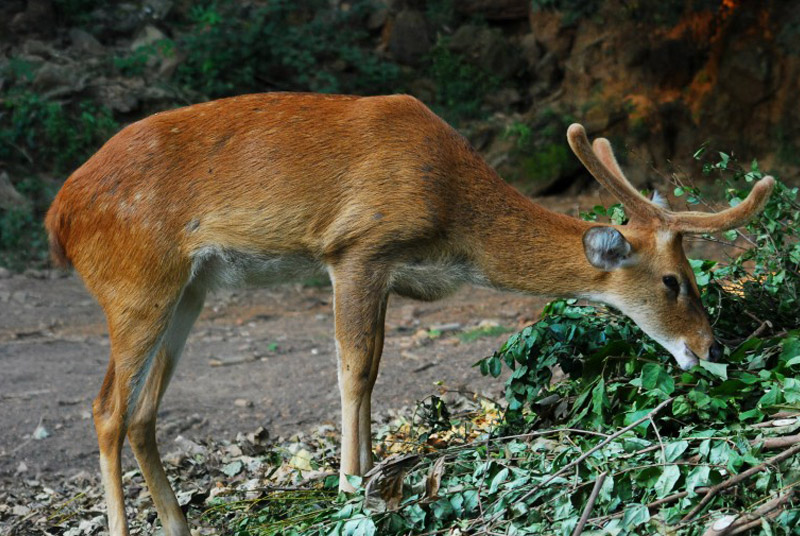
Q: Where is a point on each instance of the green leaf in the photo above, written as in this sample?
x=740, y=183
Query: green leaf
x=681, y=406
x=635, y=515
x=674, y=450
x=233, y=468
x=416, y=515
x=634, y=416
x=697, y=477
x=793, y=361
x=720, y=370
x=495, y=366
x=655, y=377
x=599, y=398
x=669, y=477
x=498, y=479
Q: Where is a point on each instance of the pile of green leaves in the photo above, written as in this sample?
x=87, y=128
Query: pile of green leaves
x=653, y=440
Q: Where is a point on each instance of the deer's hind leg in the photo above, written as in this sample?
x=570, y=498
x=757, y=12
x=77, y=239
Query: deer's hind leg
x=142, y=424
x=147, y=331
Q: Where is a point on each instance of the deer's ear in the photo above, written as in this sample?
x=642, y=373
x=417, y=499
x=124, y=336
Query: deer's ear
x=606, y=248
x=658, y=199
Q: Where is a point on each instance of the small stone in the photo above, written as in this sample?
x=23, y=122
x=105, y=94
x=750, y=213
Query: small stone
x=5, y=273
x=20, y=510
x=243, y=403
x=451, y=326
x=22, y=467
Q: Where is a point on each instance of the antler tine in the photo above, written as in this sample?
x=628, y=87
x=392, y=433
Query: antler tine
x=603, y=166
x=704, y=222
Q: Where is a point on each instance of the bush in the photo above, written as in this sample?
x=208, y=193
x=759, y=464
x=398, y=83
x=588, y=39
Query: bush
x=37, y=132
x=281, y=45
x=23, y=241
x=460, y=86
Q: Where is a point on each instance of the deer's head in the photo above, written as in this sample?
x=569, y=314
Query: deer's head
x=646, y=273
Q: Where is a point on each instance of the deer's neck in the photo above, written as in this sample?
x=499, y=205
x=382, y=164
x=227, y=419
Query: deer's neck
x=527, y=248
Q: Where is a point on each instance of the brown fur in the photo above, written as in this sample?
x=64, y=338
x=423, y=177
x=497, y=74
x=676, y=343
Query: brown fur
x=379, y=191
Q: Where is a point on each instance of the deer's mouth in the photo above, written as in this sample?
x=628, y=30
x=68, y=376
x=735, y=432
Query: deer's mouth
x=689, y=359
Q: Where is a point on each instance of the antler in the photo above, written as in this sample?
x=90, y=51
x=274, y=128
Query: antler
x=600, y=161
x=603, y=166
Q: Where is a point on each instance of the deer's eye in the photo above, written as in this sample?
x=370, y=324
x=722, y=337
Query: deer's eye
x=672, y=283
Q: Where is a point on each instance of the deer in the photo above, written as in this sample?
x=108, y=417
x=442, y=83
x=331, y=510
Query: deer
x=378, y=192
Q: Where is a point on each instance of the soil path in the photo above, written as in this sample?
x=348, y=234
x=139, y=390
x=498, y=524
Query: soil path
x=255, y=358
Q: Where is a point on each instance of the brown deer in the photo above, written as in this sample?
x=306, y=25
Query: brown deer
x=378, y=192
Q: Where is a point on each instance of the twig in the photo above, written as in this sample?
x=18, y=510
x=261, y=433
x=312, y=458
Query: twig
x=660, y=442
x=777, y=417
x=666, y=500
x=777, y=442
x=597, y=447
x=738, y=478
x=735, y=524
x=589, y=504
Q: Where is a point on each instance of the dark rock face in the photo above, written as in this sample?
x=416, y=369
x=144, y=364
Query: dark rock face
x=410, y=39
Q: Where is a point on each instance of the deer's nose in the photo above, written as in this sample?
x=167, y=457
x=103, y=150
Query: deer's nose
x=715, y=352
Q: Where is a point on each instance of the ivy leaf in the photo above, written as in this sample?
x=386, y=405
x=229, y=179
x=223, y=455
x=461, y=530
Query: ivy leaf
x=673, y=450
x=720, y=370
x=635, y=515
x=697, y=477
x=669, y=477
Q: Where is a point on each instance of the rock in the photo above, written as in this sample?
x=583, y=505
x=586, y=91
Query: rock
x=84, y=42
x=486, y=48
x=189, y=447
x=20, y=510
x=531, y=51
x=119, y=95
x=243, y=403
x=745, y=74
x=378, y=17
x=55, y=80
x=170, y=63
x=9, y=196
x=5, y=273
x=31, y=273
x=551, y=33
x=409, y=40
x=423, y=88
x=158, y=9
x=548, y=74
x=503, y=99
x=37, y=18
x=149, y=35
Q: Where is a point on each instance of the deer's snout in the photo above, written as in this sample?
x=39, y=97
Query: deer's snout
x=715, y=352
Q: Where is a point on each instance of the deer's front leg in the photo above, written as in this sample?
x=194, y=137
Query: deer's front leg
x=359, y=306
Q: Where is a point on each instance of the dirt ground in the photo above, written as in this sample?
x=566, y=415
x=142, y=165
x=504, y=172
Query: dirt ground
x=255, y=358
